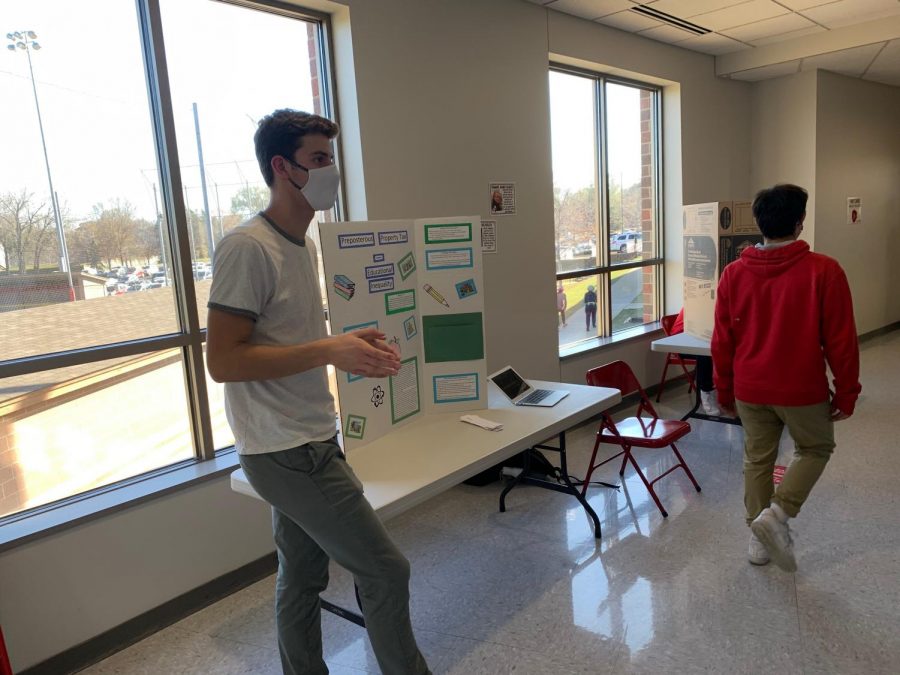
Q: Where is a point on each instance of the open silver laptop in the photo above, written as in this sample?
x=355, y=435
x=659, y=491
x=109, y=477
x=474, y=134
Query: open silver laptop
x=520, y=392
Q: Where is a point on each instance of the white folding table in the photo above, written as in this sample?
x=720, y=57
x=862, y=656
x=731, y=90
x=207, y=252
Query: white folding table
x=682, y=343
x=435, y=452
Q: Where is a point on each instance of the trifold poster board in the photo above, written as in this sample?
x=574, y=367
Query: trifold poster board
x=715, y=234
x=420, y=283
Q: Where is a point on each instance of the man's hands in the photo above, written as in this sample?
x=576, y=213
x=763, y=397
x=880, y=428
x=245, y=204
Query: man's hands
x=837, y=414
x=364, y=352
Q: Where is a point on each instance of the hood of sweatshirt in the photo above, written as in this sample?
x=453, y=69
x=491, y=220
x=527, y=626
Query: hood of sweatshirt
x=774, y=261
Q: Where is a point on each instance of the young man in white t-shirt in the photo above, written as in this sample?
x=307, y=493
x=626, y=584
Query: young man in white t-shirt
x=267, y=341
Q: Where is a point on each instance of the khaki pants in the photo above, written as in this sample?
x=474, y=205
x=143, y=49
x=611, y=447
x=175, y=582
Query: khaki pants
x=319, y=512
x=813, y=432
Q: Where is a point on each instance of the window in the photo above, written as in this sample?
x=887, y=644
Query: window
x=604, y=133
x=108, y=222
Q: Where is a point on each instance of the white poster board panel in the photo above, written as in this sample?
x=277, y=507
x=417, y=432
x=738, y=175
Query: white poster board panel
x=370, y=281
x=454, y=369
x=420, y=283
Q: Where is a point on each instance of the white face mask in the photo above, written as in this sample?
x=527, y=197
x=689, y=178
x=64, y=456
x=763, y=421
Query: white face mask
x=321, y=189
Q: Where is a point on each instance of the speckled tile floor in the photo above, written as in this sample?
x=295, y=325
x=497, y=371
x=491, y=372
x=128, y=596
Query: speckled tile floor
x=529, y=591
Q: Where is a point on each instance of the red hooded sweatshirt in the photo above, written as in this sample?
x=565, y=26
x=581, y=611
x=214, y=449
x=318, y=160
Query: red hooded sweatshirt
x=781, y=313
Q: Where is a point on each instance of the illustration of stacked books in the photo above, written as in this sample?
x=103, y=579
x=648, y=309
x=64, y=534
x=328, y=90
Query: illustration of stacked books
x=343, y=286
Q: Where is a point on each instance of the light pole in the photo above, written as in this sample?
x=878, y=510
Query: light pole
x=26, y=40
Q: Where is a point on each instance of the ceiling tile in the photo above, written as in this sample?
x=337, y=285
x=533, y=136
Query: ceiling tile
x=768, y=72
x=786, y=36
x=685, y=8
x=769, y=27
x=886, y=67
x=849, y=12
x=669, y=34
x=804, y=4
x=738, y=15
x=885, y=79
x=591, y=9
x=713, y=43
x=852, y=62
x=629, y=20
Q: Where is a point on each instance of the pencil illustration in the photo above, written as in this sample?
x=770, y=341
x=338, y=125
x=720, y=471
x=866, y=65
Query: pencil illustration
x=434, y=294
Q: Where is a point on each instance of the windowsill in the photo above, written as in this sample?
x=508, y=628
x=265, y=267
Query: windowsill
x=112, y=499
x=598, y=343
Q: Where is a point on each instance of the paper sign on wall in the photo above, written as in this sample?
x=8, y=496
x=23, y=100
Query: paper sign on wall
x=854, y=210
x=503, y=199
x=488, y=236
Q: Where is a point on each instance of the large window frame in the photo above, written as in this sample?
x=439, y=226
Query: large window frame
x=208, y=462
x=605, y=266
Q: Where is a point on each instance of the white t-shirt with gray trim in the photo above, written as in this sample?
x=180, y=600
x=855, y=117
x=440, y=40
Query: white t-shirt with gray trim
x=261, y=272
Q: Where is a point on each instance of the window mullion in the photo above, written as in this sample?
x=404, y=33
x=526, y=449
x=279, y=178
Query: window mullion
x=658, y=200
x=170, y=179
x=606, y=318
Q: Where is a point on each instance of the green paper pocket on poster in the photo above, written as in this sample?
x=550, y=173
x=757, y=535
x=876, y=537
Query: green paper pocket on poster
x=453, y=337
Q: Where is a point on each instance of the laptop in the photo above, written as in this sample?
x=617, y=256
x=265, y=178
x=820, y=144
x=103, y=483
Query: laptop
x=520, y=392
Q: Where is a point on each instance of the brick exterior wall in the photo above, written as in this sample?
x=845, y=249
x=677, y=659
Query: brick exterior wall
x=647, y=204
x=311, y=45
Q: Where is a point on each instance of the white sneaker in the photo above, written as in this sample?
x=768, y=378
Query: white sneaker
x=710, y=403
x=757, y=555
x=776, y=537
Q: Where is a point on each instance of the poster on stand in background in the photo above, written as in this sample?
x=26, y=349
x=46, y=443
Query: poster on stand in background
x=420, y=283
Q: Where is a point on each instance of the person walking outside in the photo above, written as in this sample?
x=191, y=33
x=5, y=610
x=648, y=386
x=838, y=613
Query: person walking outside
x=782, y=314
x=561, y=304
x=590, y=308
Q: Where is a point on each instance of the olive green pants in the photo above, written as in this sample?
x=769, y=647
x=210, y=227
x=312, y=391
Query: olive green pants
x=813, y=432
x=319, y=512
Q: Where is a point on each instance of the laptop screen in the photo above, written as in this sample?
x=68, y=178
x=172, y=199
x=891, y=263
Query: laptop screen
x=509, y=381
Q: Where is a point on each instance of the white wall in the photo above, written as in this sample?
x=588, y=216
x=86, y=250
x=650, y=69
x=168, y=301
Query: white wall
x=784, y=138
x=447, y=95
x=858, y=155
x=61, y=590
x=453, y=95
x=838, y=137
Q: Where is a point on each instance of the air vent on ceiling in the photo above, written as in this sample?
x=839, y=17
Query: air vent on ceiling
x=671, y=20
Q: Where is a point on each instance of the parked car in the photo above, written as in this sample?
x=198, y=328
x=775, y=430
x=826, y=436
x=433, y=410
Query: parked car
x=160, y=279
x=627, y=242
x=584, y=250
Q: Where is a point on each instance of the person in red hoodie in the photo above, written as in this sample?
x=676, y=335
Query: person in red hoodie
x=782, y=314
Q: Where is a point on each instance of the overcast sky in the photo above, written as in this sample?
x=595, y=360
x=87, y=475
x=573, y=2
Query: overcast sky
x=93, y=97
x=236, y=64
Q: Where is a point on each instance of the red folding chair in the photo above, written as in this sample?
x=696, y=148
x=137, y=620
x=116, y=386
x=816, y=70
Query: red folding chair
x=674, y=359
x=5, y=666
x=635, y=432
